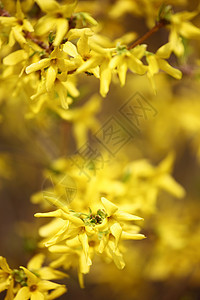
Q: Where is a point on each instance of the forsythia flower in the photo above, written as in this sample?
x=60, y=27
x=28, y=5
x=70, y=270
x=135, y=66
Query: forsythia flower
x=56, y=18
x=17, y=24
x=180, y=26
x=157, y=62
x=31, y=282
x=98, y=232
x=6, y=279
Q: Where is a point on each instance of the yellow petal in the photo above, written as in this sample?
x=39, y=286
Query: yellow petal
x=15, y=57
x=62, y=94
x=139, y=51
x=82, y=45
x=27, y=26
x=19, y=13
x=61, y=30
x=170, y=185
x=123, y=216
x=153, y=64
x=116, y=231
x=48, y=5
x=105, y=78
x=189, y=31
x=115, y=61
x=136, y=66
x=51, y=77
x=40, y=65
x=122, y=70
x=36, y=262
x=132, y=236
x=90, y=63
x=48, y=273
x=36, y=295
x=45, y=25
x=84, y=242
x=23, y=294
x=32, y=278
x=70, y=49
x=116, y=255
x=169, y=69
x=19, y=36
x=165, y=51
x=103, y=243
x=57, y=293
x=4, y=265
x=56, y=213
x=110, y=208
x=4, y=285
x=8, y=21
x=75, y=220
x=84, y=264
x=46, y=285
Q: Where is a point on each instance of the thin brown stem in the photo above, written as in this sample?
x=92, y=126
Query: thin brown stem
x=160, y=24
x=44, y=46
x=3, y=12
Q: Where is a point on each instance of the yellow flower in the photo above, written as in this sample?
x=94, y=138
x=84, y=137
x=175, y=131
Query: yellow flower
x=99, y=57
x=54, y=64
x=180, y=26
x=6, y=279
x=36, y=288
x=125, y=60
x=82, y=118
x=55, y=19
x=46, y=273
x=98, y=232
x=31, y=283
x=157, y=62
x=18, y=24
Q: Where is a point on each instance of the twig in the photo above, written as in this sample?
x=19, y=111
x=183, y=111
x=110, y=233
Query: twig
x=160, y=24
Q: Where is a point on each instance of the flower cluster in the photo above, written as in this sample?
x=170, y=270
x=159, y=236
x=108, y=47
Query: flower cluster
x=54, y=49
x=82, y=235
x=32, y=282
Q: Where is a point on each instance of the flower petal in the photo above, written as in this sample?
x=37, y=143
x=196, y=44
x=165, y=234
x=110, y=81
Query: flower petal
x=70, y=49
x=62, y=28
x=36, y=262
x=169, y=69
x=32, y=278
x=110, y=208
x=45, y=285
x=15, y=57
x=41, y=64
x=57, y=293
x=132, y=236
x=51, y=77
x=4, y=265
x=36, y=295
x=23, y=294
x=116, y=231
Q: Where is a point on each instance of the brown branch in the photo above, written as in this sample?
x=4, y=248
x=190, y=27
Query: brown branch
x=43, y=45
x=160, y=24
x=3, y=12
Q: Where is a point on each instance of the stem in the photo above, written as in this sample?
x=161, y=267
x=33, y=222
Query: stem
x=44, y=46
x=3, y=12
x=160, y=24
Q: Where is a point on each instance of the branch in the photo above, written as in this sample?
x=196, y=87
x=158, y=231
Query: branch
x=160, y=24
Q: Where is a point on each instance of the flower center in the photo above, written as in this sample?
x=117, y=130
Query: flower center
x=33, y=288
